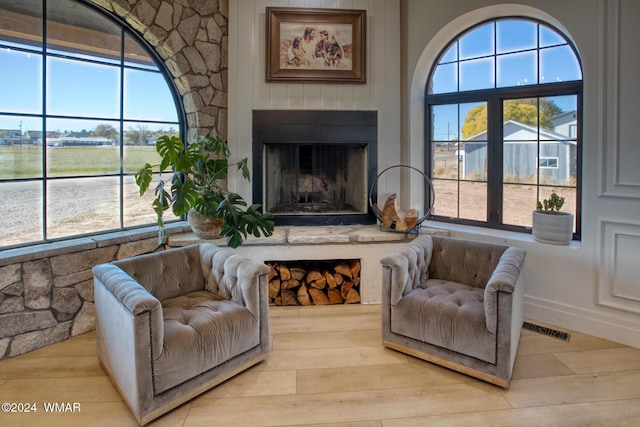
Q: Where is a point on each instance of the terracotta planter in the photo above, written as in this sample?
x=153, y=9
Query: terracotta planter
x=556, y=229
x=204, y=227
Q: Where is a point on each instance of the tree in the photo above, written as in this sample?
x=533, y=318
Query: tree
x=475, y=121
x=521, y=110
x=137, y=136
x=105, y=131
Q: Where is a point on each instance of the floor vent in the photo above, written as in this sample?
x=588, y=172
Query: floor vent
x=546, y=331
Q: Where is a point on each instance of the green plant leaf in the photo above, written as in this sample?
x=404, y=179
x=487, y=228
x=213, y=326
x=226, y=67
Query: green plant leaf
x=220, y=168
x=243, y=166
x=236, y=199
x=207, y=206
x=144, y=177
x=183, y=164
x=185, y=194
x=160, y=205
x=169, y=148
x=552, y=205
x=162, y=199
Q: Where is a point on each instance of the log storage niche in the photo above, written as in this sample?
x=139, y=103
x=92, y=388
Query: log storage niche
x=314, y=282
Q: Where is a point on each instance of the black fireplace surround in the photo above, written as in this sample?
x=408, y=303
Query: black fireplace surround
x=315, y=167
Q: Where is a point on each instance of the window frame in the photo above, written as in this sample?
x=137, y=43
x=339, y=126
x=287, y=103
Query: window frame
x=122, y=65
x=494, y=98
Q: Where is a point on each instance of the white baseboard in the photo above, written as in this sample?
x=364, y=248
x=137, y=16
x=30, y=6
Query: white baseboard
x=610, y=326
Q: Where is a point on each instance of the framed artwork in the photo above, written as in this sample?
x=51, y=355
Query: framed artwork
x=316, y=45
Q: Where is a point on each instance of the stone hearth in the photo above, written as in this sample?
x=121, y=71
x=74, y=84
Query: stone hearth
x=367, y=243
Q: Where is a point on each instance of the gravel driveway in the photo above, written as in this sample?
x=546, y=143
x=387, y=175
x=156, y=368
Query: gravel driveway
x=76, y=206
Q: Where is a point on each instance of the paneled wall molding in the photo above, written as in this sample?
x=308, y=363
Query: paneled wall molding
x=618, y=246
x=613, y=183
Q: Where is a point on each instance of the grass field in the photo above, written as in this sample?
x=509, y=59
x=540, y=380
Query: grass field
x=26, y=161
x=74, y=206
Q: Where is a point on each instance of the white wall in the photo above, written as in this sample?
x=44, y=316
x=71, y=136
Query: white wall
x=248, y=89
x=591, y=286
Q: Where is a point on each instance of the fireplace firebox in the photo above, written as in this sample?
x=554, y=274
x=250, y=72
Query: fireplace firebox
x=314, y=167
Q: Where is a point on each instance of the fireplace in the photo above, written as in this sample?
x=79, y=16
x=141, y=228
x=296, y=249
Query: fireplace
x=314, y=167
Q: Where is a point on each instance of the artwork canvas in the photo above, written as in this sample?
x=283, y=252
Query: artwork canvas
x=315, y=45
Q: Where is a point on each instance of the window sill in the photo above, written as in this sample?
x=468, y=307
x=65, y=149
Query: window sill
x=46, y=250
x=510, y=237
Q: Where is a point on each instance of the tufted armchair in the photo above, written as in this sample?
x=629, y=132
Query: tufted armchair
x=456, y=303
x=172, y=324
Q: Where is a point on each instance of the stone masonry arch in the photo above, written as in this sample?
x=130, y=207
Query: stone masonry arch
x=191, y=37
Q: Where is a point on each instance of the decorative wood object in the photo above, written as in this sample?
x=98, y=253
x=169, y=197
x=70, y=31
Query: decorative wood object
x=390, y=217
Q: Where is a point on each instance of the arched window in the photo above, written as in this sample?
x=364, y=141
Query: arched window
x=504, y=104
x=82, y=101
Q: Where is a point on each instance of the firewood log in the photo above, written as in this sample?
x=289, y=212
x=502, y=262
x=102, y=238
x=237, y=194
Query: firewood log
x=399, y=223
x=345, y=288
x=297, y=273
x=392, y=216
x=284, y=272
x=288, y=284
x=335, y=297
x=353, y=297
x=390, y=210
x=318, y=297
x=274, y=287
x=303, y=295
x=321, y=283
x=313, y=275
x=272, y=273
x=344, y=270
x=339, y=278
x=331, y=279
x=289, y=298
x=355, y=266
x=411, y=218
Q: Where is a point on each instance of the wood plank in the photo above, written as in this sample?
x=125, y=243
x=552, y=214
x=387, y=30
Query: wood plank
x=332, y=357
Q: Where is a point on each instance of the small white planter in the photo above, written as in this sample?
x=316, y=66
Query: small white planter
x=556, y=229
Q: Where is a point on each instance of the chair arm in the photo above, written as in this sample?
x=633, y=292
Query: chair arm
x=250, y=273
x=132, y=296
x=233, y=277
x=409, y=267
x=125, y=289
x=503, y=279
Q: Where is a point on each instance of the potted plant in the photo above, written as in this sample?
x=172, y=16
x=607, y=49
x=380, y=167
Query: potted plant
x=198, y=189
x=550, y=225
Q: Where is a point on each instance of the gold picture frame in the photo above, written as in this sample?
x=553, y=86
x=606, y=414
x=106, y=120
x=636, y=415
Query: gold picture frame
x=316, y=45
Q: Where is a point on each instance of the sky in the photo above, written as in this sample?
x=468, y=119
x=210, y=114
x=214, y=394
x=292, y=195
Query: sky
x=80, y=89
x=509, y=54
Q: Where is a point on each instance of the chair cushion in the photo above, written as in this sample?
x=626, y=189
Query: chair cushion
x=464, y=261
x=201, y=332
x=169, y=273
x=446, y=314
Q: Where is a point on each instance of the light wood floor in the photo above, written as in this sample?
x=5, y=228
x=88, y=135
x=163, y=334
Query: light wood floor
x=327, y=367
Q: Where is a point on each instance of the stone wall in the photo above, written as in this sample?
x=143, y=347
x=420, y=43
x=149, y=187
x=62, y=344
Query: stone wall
x=49, y=299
